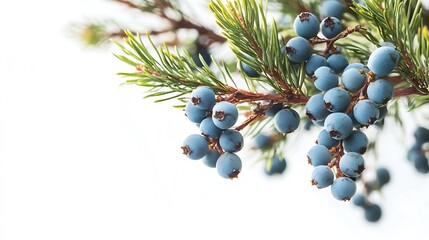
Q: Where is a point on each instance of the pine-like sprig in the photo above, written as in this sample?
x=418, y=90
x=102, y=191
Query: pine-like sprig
x=401, y=23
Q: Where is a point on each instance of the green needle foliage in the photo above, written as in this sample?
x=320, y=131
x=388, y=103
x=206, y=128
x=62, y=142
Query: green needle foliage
x=167, y=75
x=401, y=23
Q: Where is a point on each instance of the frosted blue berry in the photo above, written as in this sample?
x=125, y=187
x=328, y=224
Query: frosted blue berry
x=201, y=51
x=209, y=129
x=383, y=60
x=420, y=162
x=357, y=142
x=325, y=78
x=263, y=141
x=203, y=97
x=195, y=146
x=313, y=63
x=338, y=125
x=211, y=158
x=298, y=49
x=228, y=165
x=231, y=140
x=352, y=164
x=286, y=120
x=353, y=79
x=315, y=108
x=319, y=155
x=421, y=134
x=306, y=25
x=415, y=149
x=366, y=112
x=324, y=139
x=194, y=113
x=331, y=27
x=382, y=175
x=248, y=70
x=322, y=176
x=272, y=110
x=276, y=165
x=225, y=114
x=372, y=212
x=360, y=200
x=380, y=91
x=337, y=62
x=332, y=8
x=336, y=99
x=343, y=188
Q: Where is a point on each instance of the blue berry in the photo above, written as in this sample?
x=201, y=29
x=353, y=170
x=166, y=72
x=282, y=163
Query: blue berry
x=313, y=63
x=319, y=155
x=209, y=129
x=298, y=49
x=322, y=176
x=358, y=66
x=383, y=60
x=415, y=149
x=225, y=114
x=360, y=200
x=331, y=27
x=248, y=70
x=353, y=79
x=286, y=120
x=276, y=165
x=336, y=99
x=366, y=112
x=343, y=188
x=271, y=111
x=195, y=146
x=315, y=108
x=337, y=62
x=356, y=142
x=382, y=175
x=194, y=113
x=380, y=91
x=263, y=141
x=228, y=165
x=306, y=25
x=325, y=78
x=203, y=97
x=372, y=212
x=308, y=124
x=325, y=140
x=421, y=134
x=352, y=164
x=231, y=140
x=420, y=162
x=201, y=51
x=211, y=158
x=338, y=125
x=332, y=8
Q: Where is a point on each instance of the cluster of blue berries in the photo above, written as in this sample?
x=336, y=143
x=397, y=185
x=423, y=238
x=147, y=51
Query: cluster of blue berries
x=359, y=101
x=417, y=154
x=298, y=49
x=372, y=211
x=351, y=96
x=217, y=142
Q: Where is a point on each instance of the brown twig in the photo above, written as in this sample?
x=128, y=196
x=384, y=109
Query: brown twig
x=330, y=42
x=176, y=24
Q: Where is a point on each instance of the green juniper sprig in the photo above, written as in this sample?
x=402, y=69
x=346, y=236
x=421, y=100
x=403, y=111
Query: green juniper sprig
x=402, y=24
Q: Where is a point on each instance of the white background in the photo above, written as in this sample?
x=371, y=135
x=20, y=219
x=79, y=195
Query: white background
x=85, y=158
